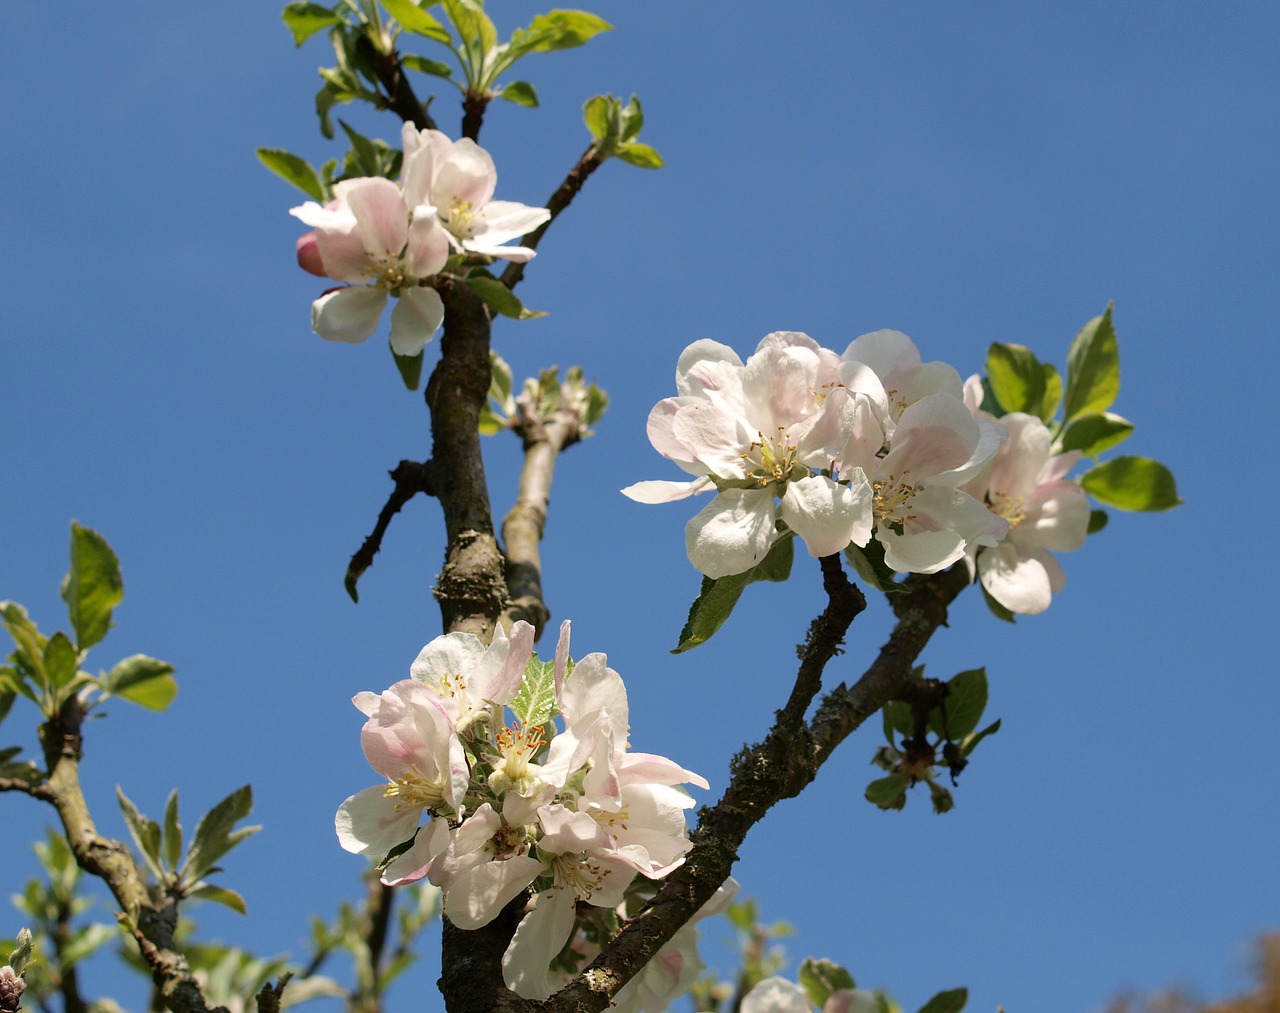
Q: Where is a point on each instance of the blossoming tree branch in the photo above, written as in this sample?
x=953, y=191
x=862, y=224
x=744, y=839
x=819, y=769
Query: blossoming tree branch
x=569, y=878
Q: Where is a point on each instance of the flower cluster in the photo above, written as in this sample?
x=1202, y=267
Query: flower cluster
x=572, y=814
x=871, y=444
x=384, y=238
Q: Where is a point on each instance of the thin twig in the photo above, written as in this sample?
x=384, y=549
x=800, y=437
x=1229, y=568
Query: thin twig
x=590, y=161
x=410, y=478
x=400, y=97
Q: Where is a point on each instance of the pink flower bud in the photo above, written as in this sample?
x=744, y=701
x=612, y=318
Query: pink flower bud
x=309, y=255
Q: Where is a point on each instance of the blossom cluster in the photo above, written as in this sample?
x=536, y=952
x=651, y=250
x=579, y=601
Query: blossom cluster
x=385, y=238
x=509, y=806
x=870, y=446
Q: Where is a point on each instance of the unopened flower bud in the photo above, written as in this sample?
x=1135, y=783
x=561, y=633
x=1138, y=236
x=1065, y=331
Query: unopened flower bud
x=12, y=986
x=309, y=255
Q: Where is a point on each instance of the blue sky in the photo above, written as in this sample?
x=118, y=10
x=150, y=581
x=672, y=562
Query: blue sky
x=966, y=173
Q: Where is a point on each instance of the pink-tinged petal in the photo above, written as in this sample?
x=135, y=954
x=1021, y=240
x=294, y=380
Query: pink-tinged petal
x=666, y=492
x=885, y=351
x=1057, y=466
x=308, y=252
x=415, y=863
x=539, y=937
x=334, y=216
x=649, y=768
x=381, y=214
x=936, y=378
x=1022, y=457
x=503, y=682
x=1021, y=585
x=477, y=894
x=973, y=394
x=466, y=175
x=846, y=1000
x=504, y=220
x=343, y=254
x=715, y=437
x=828, y=516
x=449, y=655
x=776, y=995
x=348, y=314
x=569, y=832
x=1057, y=518
x=660, y=430
x=695, y=369
x=370, y=823
x=428, y=247
x=732, y=533
x=788, y=339
x=594, y=688
x=366, y=702
x=416, y=316
x=477, y=830
x=778, y=387
x=934, y=435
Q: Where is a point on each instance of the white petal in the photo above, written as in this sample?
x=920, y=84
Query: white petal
x=826, y=515
x=776, y=995
x=920, y=551
x=348, y=314
x=732, y=533
x=540, y=935
x=369, y=823
x=477, y=894
x=416, y=316
x=415, y=863
x=1021, y=585
x=665, y=492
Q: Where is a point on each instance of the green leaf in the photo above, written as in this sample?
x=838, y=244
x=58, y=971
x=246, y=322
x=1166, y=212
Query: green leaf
x=28, y=644
x=973, y=738
x=1132, y=483
x=410, y=367
x=595, y=113
x=60, y=660
x=491, y=422
x=947, y=1002
x=897, y=718
x=499, y=298
x=868, y=562
x=214, y=835
x=966, y=700
x=145, y=833
x=414, y=19
x=172, y=831
x=887, y=791
x=93, y=588
x=559, y=29
x=1097, y=521
x=640, y=155
x=474, y=27
x=522, y=93
x=535, y=702
x=424, y=66
x=718, y=596
x=8, y=693
x=220, y=895
x=305, y=19
x=294, y=170
x=1052, y=392
x=1093, y=433
x=368, y=160
x=942, y=799
x=1017, y=378
x=630, y=120
x=1093, y=368
x=822, y=978
x=145, y=681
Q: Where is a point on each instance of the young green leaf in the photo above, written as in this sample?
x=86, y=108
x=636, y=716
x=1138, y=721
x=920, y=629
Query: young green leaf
x=172, y=831
x=410, y=367
x=966, y=700
x=595, y=113
x=84, y=942
x=293, y=170
x=214, y=835
x=93, y=588
x=145, y=681
x=522, y=93
x=868, y=563
x=1052, y=392
x=60, y=660
x=947, y=1002
x=1093, y=368
x=1097, y=521
x=499, y=298
x=305, y=19
x=640, y=155
x=414, y=19
x=1017, y=378
x=145, y=834
x=717, y=597
x=1093, y=433
x=220, y=895
x=822, y=978
x=888, y=792
x=973, y=738
x=563, y=29
x=1132, y=483
x=535, y=703
x=28, y=642
x=424, y=66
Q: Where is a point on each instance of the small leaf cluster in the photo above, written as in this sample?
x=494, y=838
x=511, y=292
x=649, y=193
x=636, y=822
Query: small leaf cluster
x=540, y=400
x=718, y=596
x=1017, y=381
x=47, y=670
x=161, y=847
x=615, y=129
x=821, y=979
x=939, y=728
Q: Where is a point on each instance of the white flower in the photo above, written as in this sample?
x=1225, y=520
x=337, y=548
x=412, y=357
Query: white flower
x=458, y=178
x=372, y=238
x=903, y=379
x=1046, y=512
x=761, y=432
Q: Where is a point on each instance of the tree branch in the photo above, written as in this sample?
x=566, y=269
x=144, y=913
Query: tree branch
x=526, y=521
x=590, y=161
x=400, y=97
x=473, y=107
x=410, y=479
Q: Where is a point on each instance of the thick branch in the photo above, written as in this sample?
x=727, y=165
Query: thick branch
x=410, y=478
x=590, y=161
x=523, y=527
x=473, y=107
x=471, y=590
x=400, y=97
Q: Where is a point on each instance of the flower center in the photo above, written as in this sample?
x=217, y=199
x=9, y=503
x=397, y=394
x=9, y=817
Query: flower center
x=892, y=497
x=1011, y=508
x=386, y=272
x=517, y=746
x=414, y=790
x=461, y=218
x=579, y=874
x=774, y=458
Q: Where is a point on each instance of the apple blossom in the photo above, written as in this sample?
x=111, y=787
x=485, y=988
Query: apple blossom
x=1046, y=512
x=778, y=995
x=371, y=237
x=764, y=435
x=458, y=179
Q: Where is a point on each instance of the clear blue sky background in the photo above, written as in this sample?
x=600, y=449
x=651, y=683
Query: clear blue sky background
x=963, y=172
